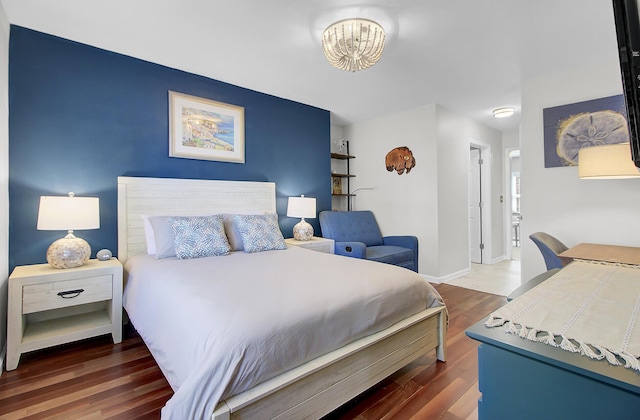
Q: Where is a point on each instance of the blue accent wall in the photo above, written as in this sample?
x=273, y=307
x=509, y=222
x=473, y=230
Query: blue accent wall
x=79, y=117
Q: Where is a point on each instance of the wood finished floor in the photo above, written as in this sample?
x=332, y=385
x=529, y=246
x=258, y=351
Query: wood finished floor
x=95, y=379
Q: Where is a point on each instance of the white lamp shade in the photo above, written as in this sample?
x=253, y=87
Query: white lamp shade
x=610, y=161
x=68, y=213
x=302, y=206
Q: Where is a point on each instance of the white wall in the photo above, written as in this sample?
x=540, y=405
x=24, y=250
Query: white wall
x=431, y=202
x=454, y=135
x=511, y=139
x=4, y=178
x=403, y=204
x=554, y=200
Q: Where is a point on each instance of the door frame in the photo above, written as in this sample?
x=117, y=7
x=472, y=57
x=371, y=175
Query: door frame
x=508, y=228
x=475, y=198
x=485, y=188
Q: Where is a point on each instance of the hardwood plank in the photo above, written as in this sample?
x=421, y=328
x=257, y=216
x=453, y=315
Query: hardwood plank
x=95, y=379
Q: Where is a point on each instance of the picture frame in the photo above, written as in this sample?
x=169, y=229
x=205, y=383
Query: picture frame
x=205, y=129
x=568, y=128
x=337, y=185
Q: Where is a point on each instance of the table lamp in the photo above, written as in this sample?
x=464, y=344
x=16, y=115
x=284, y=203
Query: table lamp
x=609, y=161
x=68, y=213
x=302, y=207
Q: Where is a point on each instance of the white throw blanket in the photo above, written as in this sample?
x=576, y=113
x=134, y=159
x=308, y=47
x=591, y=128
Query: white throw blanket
x=587, y=307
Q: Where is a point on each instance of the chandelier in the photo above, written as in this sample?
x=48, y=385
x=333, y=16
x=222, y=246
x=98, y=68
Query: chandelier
x=353, y=44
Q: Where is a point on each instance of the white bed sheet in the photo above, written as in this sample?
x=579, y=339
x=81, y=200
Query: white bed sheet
x=218, y=326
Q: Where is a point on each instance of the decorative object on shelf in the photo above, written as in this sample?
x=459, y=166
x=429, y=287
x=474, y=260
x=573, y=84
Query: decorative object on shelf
x=610, y=161
x=569, y=128
x=68, y=213
x=336, y=185
x=104, y=255
x=341, y=145
x=400, y=159
x=302, y=207
x=353, y=44
x=204, y=129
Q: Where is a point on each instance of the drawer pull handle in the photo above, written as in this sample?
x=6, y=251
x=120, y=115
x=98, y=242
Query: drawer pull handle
x=70, y=294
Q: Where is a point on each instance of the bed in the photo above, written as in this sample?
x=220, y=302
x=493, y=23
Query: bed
x=171, y=305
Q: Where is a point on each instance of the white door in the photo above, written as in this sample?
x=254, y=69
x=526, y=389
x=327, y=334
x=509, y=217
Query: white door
x=475, y=207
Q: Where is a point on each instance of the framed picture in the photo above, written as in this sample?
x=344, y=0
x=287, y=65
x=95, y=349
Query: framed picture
x=204, y=129
x=568, y=128
x=337, y=185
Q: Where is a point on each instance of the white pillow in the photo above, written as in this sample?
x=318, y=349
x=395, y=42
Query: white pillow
x=163, y=236
x=233, y=235
x=148, y=235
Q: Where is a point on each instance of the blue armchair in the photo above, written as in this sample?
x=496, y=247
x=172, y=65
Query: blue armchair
x=356, y=234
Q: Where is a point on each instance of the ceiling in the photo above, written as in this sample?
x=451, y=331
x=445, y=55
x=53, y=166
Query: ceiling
x=470, y=56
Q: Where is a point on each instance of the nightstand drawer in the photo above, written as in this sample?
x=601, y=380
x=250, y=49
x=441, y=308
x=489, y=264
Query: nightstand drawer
x=62, y=294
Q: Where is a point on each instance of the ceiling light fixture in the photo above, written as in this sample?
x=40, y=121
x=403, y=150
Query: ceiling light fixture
x=353, y=44
x=503, y=112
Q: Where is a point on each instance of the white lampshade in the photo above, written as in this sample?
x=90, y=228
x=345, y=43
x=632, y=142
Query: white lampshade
x=68, y=213
x=609, y=161
x=302, y=207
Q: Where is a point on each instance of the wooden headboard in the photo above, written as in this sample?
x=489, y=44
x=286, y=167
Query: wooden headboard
x=168, y=196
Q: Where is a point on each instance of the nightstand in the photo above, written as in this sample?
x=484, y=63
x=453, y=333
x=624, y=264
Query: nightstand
x=315, y=243
x=51, y=306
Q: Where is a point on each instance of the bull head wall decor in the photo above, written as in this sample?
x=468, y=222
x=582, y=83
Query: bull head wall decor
x=400, y=159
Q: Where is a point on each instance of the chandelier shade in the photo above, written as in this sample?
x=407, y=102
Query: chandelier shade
x=353, y=44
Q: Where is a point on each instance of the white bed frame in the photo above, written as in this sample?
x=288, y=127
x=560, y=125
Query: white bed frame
x=317, y=387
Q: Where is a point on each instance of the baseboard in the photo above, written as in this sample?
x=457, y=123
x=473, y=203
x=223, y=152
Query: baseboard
x=497, y=260
x=446, y=278
x=429, y=279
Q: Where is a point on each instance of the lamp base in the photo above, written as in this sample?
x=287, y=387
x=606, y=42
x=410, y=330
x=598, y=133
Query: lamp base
x=68, y=252
x=302, y=231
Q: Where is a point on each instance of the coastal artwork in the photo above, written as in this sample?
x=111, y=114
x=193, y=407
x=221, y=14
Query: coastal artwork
x=205, y=129
x=568, y=128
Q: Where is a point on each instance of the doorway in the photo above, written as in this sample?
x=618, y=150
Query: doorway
x=514, y=217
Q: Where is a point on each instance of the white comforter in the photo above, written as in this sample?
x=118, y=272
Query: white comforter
x=218, y=326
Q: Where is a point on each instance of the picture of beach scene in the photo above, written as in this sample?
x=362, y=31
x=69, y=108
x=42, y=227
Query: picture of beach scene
x=201, y=128
x=207, y=130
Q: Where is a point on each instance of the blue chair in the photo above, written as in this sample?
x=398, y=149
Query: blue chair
x=357, y=234
x=550, y=247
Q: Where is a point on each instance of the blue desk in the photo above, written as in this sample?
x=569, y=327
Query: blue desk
x=521, y=379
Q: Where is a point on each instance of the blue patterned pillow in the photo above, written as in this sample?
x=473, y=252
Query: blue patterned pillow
x=199, y=236
x=259, y=232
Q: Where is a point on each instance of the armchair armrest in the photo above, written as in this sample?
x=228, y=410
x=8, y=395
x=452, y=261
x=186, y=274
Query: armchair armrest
x=404, y=241
x=351, y=249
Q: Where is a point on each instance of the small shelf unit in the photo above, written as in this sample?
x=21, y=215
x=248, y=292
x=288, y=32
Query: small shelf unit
x=342, y=179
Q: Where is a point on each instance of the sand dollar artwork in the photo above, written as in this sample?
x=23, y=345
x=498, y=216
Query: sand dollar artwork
x=590, y=129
